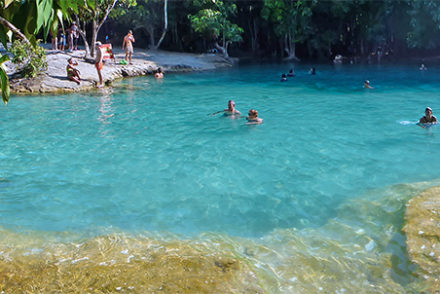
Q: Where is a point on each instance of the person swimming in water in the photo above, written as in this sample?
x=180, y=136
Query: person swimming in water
x=423, y=67
x=312, y=71
x=428, y=119
x=291, y=73
x=230, y=111
x=253, y=118
x=283, y=78
x=367, y=85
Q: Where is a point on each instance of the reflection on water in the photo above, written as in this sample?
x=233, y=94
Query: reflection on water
x=362, y=250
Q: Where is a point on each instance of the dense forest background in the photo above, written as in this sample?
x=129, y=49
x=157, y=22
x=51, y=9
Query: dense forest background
x=356, y=29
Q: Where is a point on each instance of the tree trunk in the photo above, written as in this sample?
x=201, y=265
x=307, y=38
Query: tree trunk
x=223, y=50
x=290, y=49
x=94, y=37
x=150, y=30
x=165, y=27
x=97, y=26
x=82, y=33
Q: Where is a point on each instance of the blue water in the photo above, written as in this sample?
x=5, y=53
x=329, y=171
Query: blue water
x=146, y=156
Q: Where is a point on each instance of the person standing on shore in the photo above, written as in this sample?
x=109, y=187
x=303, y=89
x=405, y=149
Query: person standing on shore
x=98, y=63
x=128, y=45
x=75, y=34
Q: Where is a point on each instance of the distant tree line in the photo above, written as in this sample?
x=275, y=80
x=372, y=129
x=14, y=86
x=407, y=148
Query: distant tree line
x=288, y=29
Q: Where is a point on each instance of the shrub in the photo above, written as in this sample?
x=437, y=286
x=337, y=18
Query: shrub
x=32, y=58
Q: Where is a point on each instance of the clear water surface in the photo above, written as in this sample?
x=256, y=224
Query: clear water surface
x=147, y=156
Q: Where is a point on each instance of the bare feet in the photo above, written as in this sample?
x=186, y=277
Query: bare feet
x=99, y=86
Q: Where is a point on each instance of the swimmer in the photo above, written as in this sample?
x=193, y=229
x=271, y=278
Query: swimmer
x=230, y=111
x=253, y=118
x=423, y=67
x=312, y=71
x=283, y=78
x=428, y=118
x=159, y=74
x=367, y=85
x=291, y=73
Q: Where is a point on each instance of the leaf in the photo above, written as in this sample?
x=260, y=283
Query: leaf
x=3, y=36
x=7, y=3
x=6, y=91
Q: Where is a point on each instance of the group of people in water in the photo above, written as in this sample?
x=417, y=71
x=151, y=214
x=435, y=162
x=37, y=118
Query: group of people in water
x=291, y=74
x=232, y=112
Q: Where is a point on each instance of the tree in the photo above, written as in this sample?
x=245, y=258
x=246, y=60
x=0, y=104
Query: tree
x=146, y=16
x=424, y=24
x=98, y=14
x=23, y=19
x=292, y=21
x=213, y=22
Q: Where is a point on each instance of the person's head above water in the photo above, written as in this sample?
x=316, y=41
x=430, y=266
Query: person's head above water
x=428, y=111
x=231, y=104
x=253, y=113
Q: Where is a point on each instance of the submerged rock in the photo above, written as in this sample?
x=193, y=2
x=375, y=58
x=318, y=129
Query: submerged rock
x=423, y=235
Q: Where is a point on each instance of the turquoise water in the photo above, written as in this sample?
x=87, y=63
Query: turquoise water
x=145, y=156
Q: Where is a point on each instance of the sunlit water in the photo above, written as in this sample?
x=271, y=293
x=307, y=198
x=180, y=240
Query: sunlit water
x=311, y=200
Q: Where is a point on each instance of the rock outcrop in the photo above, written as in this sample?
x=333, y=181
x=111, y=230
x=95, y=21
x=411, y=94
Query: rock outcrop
x=54, y=80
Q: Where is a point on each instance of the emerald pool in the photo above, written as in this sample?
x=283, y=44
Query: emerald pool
x=321, y=185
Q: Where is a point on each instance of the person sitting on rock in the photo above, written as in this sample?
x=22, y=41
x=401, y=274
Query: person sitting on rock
x=72, y=72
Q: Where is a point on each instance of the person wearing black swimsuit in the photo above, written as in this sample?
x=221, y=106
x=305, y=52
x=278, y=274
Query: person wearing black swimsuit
x=428, y=118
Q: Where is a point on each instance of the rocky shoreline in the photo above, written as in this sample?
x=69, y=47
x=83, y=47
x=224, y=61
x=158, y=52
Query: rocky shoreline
x=54, y=79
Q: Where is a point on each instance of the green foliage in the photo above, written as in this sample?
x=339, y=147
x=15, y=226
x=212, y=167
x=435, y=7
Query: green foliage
x=290, y=17
x=213, y=21
x=33, y=58
x=424, y=24
x=4, y=81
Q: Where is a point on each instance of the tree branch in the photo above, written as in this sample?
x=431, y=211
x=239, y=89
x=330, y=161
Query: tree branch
x=14, y=29
x=107, y=12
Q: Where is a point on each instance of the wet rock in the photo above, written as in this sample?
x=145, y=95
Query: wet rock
x=423, y=236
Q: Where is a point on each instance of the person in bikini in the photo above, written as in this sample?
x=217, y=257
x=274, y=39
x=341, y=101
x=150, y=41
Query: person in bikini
x=128, y=45
x=98, y=63
x=253, y=118
x=72, y=72
x=428, y=118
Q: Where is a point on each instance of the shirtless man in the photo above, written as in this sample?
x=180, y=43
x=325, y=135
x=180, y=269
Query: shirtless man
x=230, y=111
x=428, y=118
x=98, y=63
x=128, y=45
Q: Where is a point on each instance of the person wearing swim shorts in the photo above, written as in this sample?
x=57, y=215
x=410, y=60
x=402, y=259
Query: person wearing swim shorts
x=128, y=45
x=98, y=63
x=428, y=118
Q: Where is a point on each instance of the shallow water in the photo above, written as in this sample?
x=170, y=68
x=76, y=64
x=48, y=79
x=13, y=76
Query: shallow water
x=313, y=199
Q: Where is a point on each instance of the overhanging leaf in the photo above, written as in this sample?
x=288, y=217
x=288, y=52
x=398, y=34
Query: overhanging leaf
x=6, y=91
